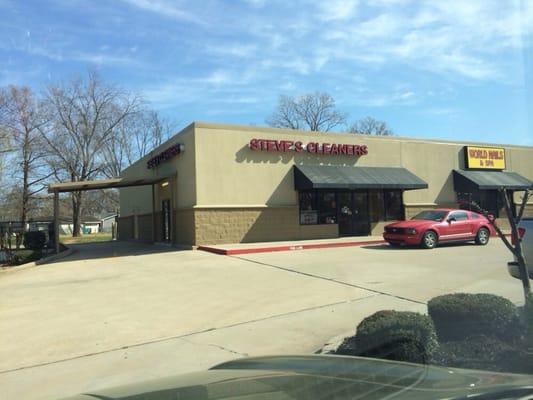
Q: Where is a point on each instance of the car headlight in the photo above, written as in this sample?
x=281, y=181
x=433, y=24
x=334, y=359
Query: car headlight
x=411, y=231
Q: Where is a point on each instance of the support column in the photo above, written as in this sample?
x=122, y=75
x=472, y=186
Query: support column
x=153, y=214
x=56, y=221
x=172, y=183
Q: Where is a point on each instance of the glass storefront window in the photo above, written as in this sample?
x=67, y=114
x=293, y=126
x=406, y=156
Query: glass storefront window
x=488, y=200
x=376, y=206
x=308, y=208
x=392, y=200
x=320, y=207
x=327, y=208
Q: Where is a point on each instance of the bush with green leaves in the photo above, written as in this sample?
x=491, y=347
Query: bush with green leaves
x=528, y=319
x=462, y=315
x=393, y=335
x=34, y=240
x=25, y=256
x=485, y=353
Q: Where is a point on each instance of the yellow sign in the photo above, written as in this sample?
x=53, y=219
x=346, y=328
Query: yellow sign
x=485, y=157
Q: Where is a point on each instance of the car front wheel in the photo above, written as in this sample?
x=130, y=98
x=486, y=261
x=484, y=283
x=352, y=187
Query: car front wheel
x=482, y=237
x=429, y=240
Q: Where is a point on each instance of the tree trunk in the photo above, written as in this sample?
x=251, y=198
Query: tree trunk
x=76, y=213
x=518, y=242
x=24, y=203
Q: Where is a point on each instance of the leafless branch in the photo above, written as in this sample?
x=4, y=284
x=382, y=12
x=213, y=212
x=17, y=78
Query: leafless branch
x=371, y=126
x=314, y=111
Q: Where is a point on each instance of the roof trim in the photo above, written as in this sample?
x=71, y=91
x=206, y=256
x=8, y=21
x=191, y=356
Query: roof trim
x=63, y=187
x=249, y=128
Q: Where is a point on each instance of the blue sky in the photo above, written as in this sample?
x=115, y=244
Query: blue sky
x=435, y=69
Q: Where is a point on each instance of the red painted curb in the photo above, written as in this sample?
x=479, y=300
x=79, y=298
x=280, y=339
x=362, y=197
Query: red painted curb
x=229, y=252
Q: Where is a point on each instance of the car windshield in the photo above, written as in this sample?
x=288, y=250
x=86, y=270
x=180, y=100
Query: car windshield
x=431, y=215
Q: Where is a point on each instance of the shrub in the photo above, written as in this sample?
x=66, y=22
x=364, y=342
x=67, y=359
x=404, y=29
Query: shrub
x=34, y=240
x=393, y=335
x=486, y=353
x=25, y=256
x=528, y=318
x=461, y=315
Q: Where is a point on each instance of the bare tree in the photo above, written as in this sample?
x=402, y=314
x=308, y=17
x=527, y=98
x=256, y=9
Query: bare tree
x=515, y=246
x=5, y=143
x=314, y=112
x=84, y=116
x=22, y=121
x=370, y=126
x=134, y=137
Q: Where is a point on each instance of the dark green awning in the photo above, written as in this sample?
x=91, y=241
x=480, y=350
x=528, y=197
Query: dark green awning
x=488, y=180
x=337, y=177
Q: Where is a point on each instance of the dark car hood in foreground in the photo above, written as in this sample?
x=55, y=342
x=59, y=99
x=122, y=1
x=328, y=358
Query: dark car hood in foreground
x=323, y=377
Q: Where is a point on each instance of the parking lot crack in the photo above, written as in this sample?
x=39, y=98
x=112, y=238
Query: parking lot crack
x=294, y=271
x=216, y=346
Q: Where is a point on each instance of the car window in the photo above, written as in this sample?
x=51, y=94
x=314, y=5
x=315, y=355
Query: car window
x=459, y=215
x=431, y=215
x=474, y=216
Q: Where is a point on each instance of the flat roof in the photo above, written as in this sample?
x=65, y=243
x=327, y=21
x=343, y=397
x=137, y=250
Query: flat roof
x=102, y=184
x=268, y=129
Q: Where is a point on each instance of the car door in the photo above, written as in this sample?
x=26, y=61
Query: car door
x=459, y=225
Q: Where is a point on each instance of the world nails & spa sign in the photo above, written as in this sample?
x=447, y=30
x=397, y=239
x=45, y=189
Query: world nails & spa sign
x=286, y=146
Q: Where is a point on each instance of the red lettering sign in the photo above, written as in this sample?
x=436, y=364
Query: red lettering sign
x=164, y=156
x=311, y=147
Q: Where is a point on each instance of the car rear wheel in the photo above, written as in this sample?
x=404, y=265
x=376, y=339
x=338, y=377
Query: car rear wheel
x=482, y=237
x=429, y=240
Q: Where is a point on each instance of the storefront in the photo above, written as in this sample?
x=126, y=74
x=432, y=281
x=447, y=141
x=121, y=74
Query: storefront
x=229, y=184
x=483, y=175
x=352, y=197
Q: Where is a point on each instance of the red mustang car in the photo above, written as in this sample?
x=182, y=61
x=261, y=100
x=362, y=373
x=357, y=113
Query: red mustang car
x=441, y=225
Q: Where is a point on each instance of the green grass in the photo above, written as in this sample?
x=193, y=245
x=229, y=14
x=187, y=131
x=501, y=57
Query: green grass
x=88, y=238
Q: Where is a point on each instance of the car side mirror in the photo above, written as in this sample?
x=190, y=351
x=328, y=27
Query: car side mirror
x=451, y=219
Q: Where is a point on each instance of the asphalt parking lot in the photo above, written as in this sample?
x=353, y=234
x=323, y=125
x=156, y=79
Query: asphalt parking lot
x=114, y=313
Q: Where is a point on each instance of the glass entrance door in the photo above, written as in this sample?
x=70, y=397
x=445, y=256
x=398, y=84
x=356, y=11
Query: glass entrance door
x=360, y=220
x=353, y=213
x=345, y=212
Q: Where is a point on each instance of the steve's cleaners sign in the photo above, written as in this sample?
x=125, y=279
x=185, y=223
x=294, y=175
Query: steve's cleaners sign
x=286, y=146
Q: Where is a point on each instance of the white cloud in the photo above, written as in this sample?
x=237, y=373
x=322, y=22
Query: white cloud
x=218, y=77
x=165, y=8
x=255, y=3
x=334, y=10
x=232, y=49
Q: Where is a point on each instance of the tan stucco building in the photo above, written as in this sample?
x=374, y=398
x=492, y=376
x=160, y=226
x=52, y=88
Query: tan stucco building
x=228, y=184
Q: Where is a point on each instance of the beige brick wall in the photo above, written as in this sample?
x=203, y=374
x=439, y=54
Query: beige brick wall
x=184, y=228
x=125, y=228
x=254, y=224
x=377, y=228
x=144, y=227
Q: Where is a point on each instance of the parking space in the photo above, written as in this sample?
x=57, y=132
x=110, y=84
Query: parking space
x=411, y=273
x=112, y=315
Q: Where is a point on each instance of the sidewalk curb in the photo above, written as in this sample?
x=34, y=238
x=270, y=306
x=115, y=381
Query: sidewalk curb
x=286, y=247
x=42, y=261
x=331, y=346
